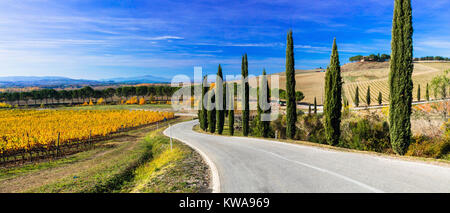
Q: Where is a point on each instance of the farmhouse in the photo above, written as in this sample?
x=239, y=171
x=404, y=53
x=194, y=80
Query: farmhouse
x=367, y=59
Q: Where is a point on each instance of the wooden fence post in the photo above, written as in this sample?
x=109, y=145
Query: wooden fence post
x=90, y=138
x=57, y=145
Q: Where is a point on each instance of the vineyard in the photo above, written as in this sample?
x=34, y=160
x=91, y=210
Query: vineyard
x=45, y=132
x=311, y=83
x=421, y=76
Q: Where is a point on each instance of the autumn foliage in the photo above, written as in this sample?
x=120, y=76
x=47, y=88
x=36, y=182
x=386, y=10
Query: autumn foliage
x=28, y=129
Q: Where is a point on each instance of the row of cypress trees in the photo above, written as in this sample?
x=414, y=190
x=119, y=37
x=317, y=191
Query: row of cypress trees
x=214, y=119
x=380, y=96
x=400, y=85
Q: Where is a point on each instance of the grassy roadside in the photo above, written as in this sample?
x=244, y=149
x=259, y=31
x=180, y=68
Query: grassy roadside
x=140, y=161
x=226, y=133
x=176, y=170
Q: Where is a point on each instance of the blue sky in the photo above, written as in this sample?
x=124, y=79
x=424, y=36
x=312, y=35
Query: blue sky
x=103, y=39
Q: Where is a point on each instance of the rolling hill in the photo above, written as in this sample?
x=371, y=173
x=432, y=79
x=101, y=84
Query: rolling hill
x=361, y=75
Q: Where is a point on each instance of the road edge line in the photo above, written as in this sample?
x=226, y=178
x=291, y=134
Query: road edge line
x=215, y=181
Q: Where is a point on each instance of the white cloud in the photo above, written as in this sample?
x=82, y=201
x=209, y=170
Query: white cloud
x=164, y=38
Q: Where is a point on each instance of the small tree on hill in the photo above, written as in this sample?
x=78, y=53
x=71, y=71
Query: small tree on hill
x=380, y=98
x=315, y=105
x=357, y=96
x=418, y=93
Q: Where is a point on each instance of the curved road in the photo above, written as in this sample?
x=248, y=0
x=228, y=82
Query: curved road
x=255, y=165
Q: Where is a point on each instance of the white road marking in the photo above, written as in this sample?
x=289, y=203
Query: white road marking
x=322, y=170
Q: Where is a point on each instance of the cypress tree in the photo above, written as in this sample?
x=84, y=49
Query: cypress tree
x=291, y=106
x=231, y=111
x=444, y=91
x=333, y=98
x=357, y=97
x=231, y=121
x=380, y=98
x=315, y=105
x=368, y=96
x=259, y=124
x=265, y=125
x=212, y=114
x=204, y=113
x=427, y=93
x=418, y=93
x=220, y=112
x=199, y=114
x=245, y=99
x=400, y=82
x=435, y=93
x=309, y=109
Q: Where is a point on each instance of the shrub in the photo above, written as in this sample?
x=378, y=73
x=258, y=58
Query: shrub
x=423, y=146
x=5, y=105
x=141, y=101
x=432, y=147
x=310, y=128
x=133, y=100
x=279, y=126
x=368, y=133
x=257, y=130
x=100, y=101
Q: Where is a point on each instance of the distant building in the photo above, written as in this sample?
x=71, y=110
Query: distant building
x=367, y=59
x=373, y=59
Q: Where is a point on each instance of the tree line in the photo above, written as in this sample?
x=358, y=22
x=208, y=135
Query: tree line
x=372, y=57
x=438, y=85
x=432, y=58
x=52, y=96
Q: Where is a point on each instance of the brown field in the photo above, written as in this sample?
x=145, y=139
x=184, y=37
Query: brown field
x=311, y=83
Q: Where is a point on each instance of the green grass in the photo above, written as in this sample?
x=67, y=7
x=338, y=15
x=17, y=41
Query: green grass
x=140, y=161
x=176, y=170
x=105, y=173
x=11, y=172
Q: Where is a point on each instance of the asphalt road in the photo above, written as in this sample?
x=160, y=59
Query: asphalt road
x=255, y=165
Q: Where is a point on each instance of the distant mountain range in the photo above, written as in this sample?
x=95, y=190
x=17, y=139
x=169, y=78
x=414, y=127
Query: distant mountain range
x=43, y=81
x=138, y=80
x=56, y=81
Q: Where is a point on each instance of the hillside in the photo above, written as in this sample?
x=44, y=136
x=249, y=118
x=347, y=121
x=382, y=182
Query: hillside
x=362, y=75
x=364, y=66
x=63, y=82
